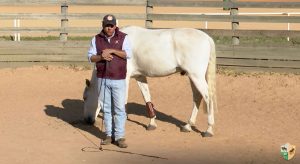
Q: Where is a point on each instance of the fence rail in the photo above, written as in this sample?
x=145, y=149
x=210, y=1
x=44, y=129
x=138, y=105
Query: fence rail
x=214, y=32
x=75, y=2
x=233, y=56
x=158, y=3
x=75, y=16
x=166, y=17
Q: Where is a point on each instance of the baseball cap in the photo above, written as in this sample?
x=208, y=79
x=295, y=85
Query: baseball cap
x=109, y=19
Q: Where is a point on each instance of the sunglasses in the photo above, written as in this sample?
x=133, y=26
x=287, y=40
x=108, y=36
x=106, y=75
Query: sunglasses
x=110, y=25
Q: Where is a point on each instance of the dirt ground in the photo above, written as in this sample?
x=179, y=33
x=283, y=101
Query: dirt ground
x=42, y=112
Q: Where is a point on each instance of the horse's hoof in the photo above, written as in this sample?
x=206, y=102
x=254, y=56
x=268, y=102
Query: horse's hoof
x=185, y=129
x=206, y=134
x=151, y=127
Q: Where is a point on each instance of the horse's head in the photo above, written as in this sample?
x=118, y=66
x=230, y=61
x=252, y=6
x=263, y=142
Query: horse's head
x=90, y=98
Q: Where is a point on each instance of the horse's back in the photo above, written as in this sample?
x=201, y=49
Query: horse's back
x=169, y=49
x=153, y=52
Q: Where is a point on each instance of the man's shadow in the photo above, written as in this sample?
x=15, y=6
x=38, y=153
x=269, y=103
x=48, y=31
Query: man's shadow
x=72, y=113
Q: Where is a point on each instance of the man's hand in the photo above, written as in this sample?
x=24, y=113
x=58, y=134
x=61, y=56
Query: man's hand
x=119, y=53
x=107, y=54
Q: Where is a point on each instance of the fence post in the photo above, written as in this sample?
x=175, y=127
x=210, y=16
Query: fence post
x=17, y=36
x=226, y=8
x=235, y=25
x=149, y=10
x=288, y=28
x=64, y=22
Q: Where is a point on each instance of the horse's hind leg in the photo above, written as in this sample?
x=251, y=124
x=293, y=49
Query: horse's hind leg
x=211, y=121
x=202, y=86
x=197, y=97
x=143, y=85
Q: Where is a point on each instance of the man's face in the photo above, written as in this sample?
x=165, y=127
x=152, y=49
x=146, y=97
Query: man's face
x=109, y=29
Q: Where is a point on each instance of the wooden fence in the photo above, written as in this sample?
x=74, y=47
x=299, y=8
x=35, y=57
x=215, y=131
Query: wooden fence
x=235, y=55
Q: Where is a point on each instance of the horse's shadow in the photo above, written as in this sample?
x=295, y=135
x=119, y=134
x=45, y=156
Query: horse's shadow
x=140, y=110
x=71, y=112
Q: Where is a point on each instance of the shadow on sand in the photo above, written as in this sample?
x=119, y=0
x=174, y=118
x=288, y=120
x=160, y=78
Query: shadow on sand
x=71, y=112
x=140, y=110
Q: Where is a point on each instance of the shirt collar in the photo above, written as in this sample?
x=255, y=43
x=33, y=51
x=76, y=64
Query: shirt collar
x=109, y=37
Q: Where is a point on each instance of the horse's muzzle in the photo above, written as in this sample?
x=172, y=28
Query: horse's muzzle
x=89, y=120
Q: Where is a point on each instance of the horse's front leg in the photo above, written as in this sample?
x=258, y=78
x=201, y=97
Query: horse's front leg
x=143, y=85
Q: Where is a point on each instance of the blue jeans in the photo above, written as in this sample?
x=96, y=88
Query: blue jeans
x=112, y=102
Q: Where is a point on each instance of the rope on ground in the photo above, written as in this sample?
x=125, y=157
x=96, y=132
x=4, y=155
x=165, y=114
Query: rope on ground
x=100, y=149
x=96, y=149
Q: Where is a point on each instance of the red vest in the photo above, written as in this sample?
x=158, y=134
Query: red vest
x=116, y=68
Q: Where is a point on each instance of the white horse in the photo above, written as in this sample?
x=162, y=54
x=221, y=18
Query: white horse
x=158, y=53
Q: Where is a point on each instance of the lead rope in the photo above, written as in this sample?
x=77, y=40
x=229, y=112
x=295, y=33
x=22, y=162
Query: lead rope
x=101, y=140
x=100, y=146
x=102, y=124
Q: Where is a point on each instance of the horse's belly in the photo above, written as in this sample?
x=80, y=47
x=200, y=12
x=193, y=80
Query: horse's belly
x=153, y=69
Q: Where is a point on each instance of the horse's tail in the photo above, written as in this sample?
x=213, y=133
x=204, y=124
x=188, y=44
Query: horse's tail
x=211, y=78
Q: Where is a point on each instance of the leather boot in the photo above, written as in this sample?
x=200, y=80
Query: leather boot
x=107, y=140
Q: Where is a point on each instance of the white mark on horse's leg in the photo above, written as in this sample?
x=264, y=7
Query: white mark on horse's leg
x=186, y=128
x=152, y=125
x=210, y=117
x=191, y=122
x=210, y=130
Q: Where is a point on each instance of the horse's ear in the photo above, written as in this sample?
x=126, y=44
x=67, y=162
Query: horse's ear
x=87, y=82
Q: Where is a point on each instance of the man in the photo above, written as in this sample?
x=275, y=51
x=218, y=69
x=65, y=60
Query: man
x=110, y=50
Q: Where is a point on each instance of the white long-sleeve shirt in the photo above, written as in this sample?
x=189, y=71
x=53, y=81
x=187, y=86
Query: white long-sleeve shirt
x=125, y=47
